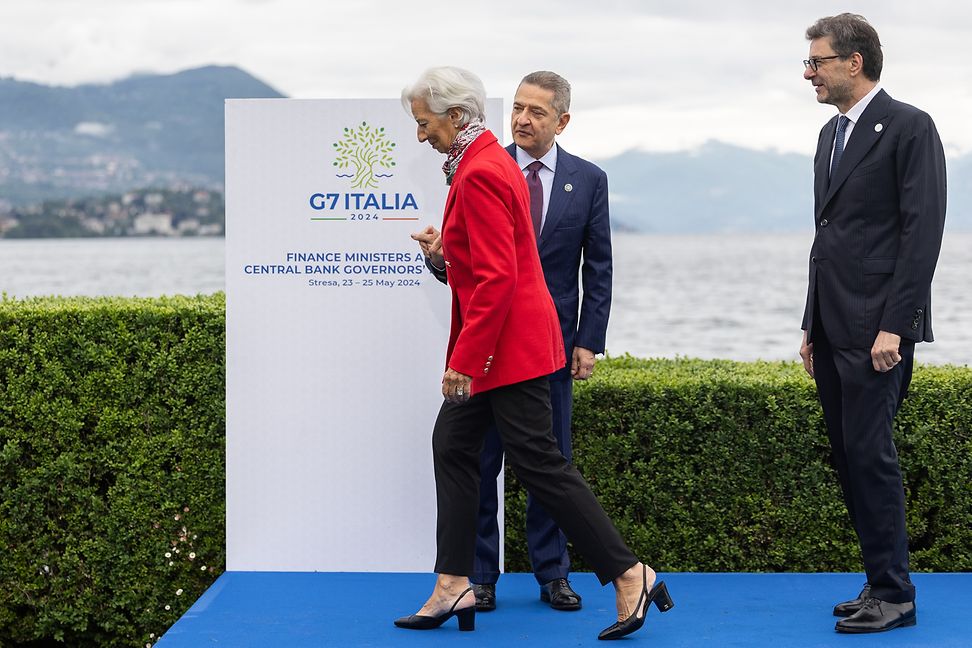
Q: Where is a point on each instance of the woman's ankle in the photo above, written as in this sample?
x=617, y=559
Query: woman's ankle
x=452, y=584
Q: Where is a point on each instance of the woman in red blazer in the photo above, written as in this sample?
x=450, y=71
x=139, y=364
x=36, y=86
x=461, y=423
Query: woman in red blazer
x=505, y=341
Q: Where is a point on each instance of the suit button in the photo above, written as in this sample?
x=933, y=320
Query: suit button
x=914, y=326
x=919, y=312
x=490, y=358
x=824, y=222
x=486, y=370
x=813, y=259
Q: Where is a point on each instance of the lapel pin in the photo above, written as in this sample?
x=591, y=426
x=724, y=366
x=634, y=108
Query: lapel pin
x=878, y=128
x=568, y=187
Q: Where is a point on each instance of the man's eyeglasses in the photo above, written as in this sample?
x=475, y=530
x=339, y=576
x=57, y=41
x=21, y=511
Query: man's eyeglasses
x=814, y=63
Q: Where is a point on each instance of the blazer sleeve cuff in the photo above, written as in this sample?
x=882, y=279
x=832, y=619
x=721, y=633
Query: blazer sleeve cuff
x=438, y=273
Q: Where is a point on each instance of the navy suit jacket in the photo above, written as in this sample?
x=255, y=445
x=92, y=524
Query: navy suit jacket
x=879, y=223
x=575, y=249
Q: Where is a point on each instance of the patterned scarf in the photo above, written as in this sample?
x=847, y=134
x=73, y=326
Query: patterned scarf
x=464, y=138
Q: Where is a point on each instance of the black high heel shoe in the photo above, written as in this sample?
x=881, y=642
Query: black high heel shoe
x=658, y=594
x=466, y=617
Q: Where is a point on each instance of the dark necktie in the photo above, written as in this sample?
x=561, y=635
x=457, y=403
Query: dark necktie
x=536, y=195
x=838, y=143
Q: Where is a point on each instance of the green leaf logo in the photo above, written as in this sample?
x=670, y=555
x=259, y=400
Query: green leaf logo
x=361, y=150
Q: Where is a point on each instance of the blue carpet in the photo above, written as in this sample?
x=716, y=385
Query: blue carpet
x=249, y=609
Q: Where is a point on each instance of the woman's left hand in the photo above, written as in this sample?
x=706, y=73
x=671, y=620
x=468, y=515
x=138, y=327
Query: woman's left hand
x=455, y=386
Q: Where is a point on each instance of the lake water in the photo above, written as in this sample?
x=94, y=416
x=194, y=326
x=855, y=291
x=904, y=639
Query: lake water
x=143, y=267
x=733, y=296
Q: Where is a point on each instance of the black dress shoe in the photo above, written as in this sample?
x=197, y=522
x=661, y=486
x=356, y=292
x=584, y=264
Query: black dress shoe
x=485, y=596
x=848, y=608
x=466, y=617
x=559, y=594
x=877, y=616
x=658, y=594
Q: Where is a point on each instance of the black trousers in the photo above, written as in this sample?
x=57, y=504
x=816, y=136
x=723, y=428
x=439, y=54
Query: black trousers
x=546, y=543
x=859, y=405
x=521, y=413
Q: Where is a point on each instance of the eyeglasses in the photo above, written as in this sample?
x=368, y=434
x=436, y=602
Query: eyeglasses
x=814, y=63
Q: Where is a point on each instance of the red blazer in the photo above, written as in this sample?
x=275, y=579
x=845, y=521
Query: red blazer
x=504, y=325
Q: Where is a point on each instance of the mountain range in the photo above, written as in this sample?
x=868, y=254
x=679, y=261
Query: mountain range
x=145, y=131
x=163, y=131
x=725, y=188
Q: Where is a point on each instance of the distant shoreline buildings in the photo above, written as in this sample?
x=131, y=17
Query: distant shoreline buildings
x=181, y=211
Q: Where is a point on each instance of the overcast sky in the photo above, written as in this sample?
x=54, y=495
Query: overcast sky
x=656, y=75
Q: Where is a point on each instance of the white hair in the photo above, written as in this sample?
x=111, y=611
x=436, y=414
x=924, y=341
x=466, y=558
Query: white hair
x=443, y=88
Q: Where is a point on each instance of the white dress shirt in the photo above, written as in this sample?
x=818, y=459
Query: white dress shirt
x=852, y=116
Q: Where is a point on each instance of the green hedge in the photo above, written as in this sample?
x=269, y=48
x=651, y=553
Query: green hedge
x=112, y=429
x=111, y=466
x=725, y=466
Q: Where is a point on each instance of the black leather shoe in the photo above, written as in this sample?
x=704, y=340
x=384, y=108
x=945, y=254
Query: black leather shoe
x=485, y=596
x=848, y=608
x=658, y=595
x=465, y=616
x=877, y=616
x=559, y=594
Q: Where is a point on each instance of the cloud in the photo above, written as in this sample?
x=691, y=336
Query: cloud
x=93, y=129
x=653, y=75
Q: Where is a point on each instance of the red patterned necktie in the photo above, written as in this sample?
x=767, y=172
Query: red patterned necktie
x=536, y=195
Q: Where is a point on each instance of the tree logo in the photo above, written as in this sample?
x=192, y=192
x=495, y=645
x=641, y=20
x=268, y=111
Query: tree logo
x=362, y=149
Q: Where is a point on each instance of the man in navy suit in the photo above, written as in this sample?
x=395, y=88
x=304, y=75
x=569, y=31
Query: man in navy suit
x=879, y=211
x=569, y=205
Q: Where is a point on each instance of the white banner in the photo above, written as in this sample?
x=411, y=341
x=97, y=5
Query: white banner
x=335, y=336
